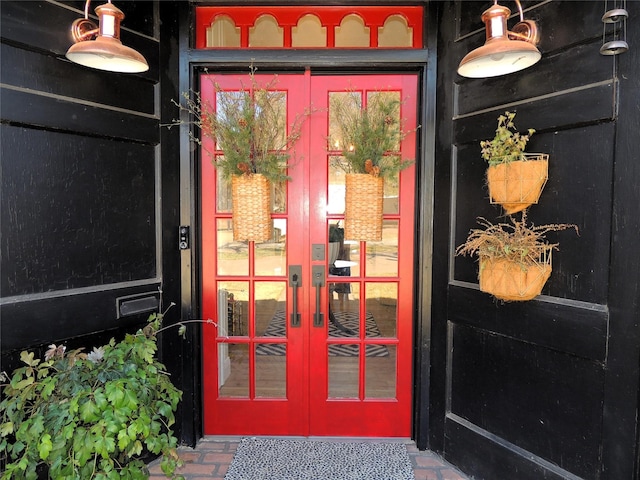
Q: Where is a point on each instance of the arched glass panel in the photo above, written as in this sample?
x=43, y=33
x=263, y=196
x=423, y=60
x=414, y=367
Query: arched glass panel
x=395, y=33
x=266, y=33
x=309, y=33
x=352, y=32
x=223, y=33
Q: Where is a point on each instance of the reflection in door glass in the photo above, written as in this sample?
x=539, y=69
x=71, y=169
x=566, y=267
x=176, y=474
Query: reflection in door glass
x=233, y=300
x=342, y=103
x=270, y=307
x=344, y=371
x=233, y=369
x=391, y=204
x=336, y=188
x=271, y=370
x=270, y=256
x=382, y=257
x=233, y=257
x=343, y=309
x=382, y=306
x=343, y=255
x=380, y=376
x=223, y=191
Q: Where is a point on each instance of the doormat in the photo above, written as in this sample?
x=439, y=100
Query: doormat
x=293, y=459
x=350, y=323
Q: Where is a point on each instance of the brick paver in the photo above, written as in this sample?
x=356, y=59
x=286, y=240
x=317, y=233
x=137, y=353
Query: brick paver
x=213, y=455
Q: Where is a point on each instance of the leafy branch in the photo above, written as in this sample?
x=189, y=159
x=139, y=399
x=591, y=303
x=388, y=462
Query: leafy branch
x=508, y=144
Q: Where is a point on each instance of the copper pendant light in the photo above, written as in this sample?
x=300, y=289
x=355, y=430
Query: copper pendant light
x=101, y=48
x=504, y=51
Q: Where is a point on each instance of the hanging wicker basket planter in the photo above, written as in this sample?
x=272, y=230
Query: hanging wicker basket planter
x=363, y=207
x=511, y=281
x=251, y=199
x=517, y=185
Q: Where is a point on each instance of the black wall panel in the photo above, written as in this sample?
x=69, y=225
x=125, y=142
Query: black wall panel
x=529, y=386
x=89, y=203
x=80, y=174
x=512, y=389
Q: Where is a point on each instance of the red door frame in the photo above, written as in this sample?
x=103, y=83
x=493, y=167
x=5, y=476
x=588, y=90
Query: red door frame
x=292, y=416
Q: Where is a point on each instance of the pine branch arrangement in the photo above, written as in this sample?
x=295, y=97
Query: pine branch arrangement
x=248, y=128
x=368, y=136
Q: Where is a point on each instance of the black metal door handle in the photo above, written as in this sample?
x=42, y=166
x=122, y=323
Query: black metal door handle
x=295, y=281
x=318, y=281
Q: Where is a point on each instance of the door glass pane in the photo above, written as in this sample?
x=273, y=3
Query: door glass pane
x=233, y=298
x=380, y=376
x=390, y=203
x=270, y=307
x=344, y=308
x=382, y=309
x=234, y=382
x=271, y=370
x=345, y=104
x=344, y=370
x=378, y=98
x=270, y=256
x=343, y=255
x=233, y=257
x=223, y=192
x=279, y=196
x=382, y=257
x=336, y=187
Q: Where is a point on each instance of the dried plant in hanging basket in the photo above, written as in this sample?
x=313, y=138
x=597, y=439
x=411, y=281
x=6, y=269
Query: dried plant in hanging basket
x=517, y=185
x=515, y=178
x=514, y=259
x=510, y=281
x=251, y=197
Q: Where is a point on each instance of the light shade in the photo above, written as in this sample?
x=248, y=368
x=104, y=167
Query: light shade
x=500, y=54
x=106, y=52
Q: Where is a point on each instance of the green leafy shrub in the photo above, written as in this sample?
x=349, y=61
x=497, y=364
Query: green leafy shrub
x=90, y=416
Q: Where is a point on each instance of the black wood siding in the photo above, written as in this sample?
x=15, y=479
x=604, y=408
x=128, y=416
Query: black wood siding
x=81, y=181
x=547, y=388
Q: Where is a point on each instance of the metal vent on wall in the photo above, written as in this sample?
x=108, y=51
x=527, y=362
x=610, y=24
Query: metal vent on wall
x=136, y=304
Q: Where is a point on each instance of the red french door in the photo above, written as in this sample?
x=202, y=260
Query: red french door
x=313, y=331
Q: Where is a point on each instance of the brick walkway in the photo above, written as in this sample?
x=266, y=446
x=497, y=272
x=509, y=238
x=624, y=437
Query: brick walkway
x=212, y=456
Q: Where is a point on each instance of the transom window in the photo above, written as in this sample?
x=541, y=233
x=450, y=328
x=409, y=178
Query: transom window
x=309, y=27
